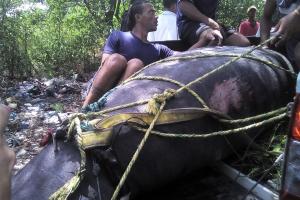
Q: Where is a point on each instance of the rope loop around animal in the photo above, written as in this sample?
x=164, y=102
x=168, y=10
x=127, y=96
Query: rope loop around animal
x=157, y=99
x=157, y=103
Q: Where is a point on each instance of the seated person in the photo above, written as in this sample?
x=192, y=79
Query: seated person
x=197, y=26
x=127, y=52
x=7, y=157
x=250, y=26
x=288, y=25
x=167, y=27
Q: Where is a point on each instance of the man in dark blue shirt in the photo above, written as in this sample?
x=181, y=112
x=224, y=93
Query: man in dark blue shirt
x=130, y=46
x=127, y=52
x=197, y=25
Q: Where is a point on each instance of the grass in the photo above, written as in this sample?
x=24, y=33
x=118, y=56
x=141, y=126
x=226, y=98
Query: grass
x=258, y=162
x=58, y=107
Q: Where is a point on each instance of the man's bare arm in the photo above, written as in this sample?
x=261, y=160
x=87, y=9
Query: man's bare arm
x=288, y=27
x=266, y=22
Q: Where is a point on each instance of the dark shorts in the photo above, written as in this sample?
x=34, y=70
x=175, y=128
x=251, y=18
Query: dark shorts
x=191, y=31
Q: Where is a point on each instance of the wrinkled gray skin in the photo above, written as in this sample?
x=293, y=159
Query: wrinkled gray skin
x=244, y=88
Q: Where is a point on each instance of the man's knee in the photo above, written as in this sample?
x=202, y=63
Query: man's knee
x=116, y=60
x=135, y=63
x=237, y=39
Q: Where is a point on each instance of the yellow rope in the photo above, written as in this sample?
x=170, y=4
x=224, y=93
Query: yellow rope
x=170, y=95
x=186, y=87
x=159, y=78
x=159, y=100
x=71, y=128
x=84, y=116
x=257, y=117
x=204, y=54
x=68, y=188
x=137, y=152
x=121, y=107
x=220, y=67
x=217, y=133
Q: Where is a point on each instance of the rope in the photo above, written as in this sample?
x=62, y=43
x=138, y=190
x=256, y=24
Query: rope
x=98, y=105
x=68, y=188
x=186, y=87
x=217, y=133
x=137, y=103
x=204, y=54
x=159, y=78
x=257, y=117
x=222, y=66
x=286, y=61
x=137, y=152
x=156, y=101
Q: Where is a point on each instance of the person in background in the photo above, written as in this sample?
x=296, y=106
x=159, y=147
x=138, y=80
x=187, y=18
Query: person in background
x=197, y=26
x=7, y=157
x=250, y=26
x=287, y=29
x=127, y=52
x=167, y=27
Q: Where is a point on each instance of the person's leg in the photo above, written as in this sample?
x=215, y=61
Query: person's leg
x=106, y=78
x=297, y=56
x=236, y=39
x=202, y=42
x=7, y=157
x=133, y=66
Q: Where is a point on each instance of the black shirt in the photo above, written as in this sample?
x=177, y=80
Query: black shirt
x=206, y=7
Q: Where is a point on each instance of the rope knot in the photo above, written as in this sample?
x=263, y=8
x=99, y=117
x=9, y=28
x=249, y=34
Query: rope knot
x=157, y=99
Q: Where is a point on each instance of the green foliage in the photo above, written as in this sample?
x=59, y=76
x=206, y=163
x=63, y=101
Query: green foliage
x=65, y=37
x=69, y=35
x=232, y=12
x=58, y=107
x=60, y=40
x=13, y=55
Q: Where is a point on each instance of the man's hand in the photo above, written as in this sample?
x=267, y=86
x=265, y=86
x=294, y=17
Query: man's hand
x=213, y=24
x=287, y=28
x=212, y=35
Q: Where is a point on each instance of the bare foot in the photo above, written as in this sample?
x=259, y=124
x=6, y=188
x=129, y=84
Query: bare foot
x=7, y=157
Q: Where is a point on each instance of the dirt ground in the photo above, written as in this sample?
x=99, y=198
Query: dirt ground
x=38, y=108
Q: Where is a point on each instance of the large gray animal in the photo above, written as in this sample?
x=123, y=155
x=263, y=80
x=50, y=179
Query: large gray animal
x=255, y=84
